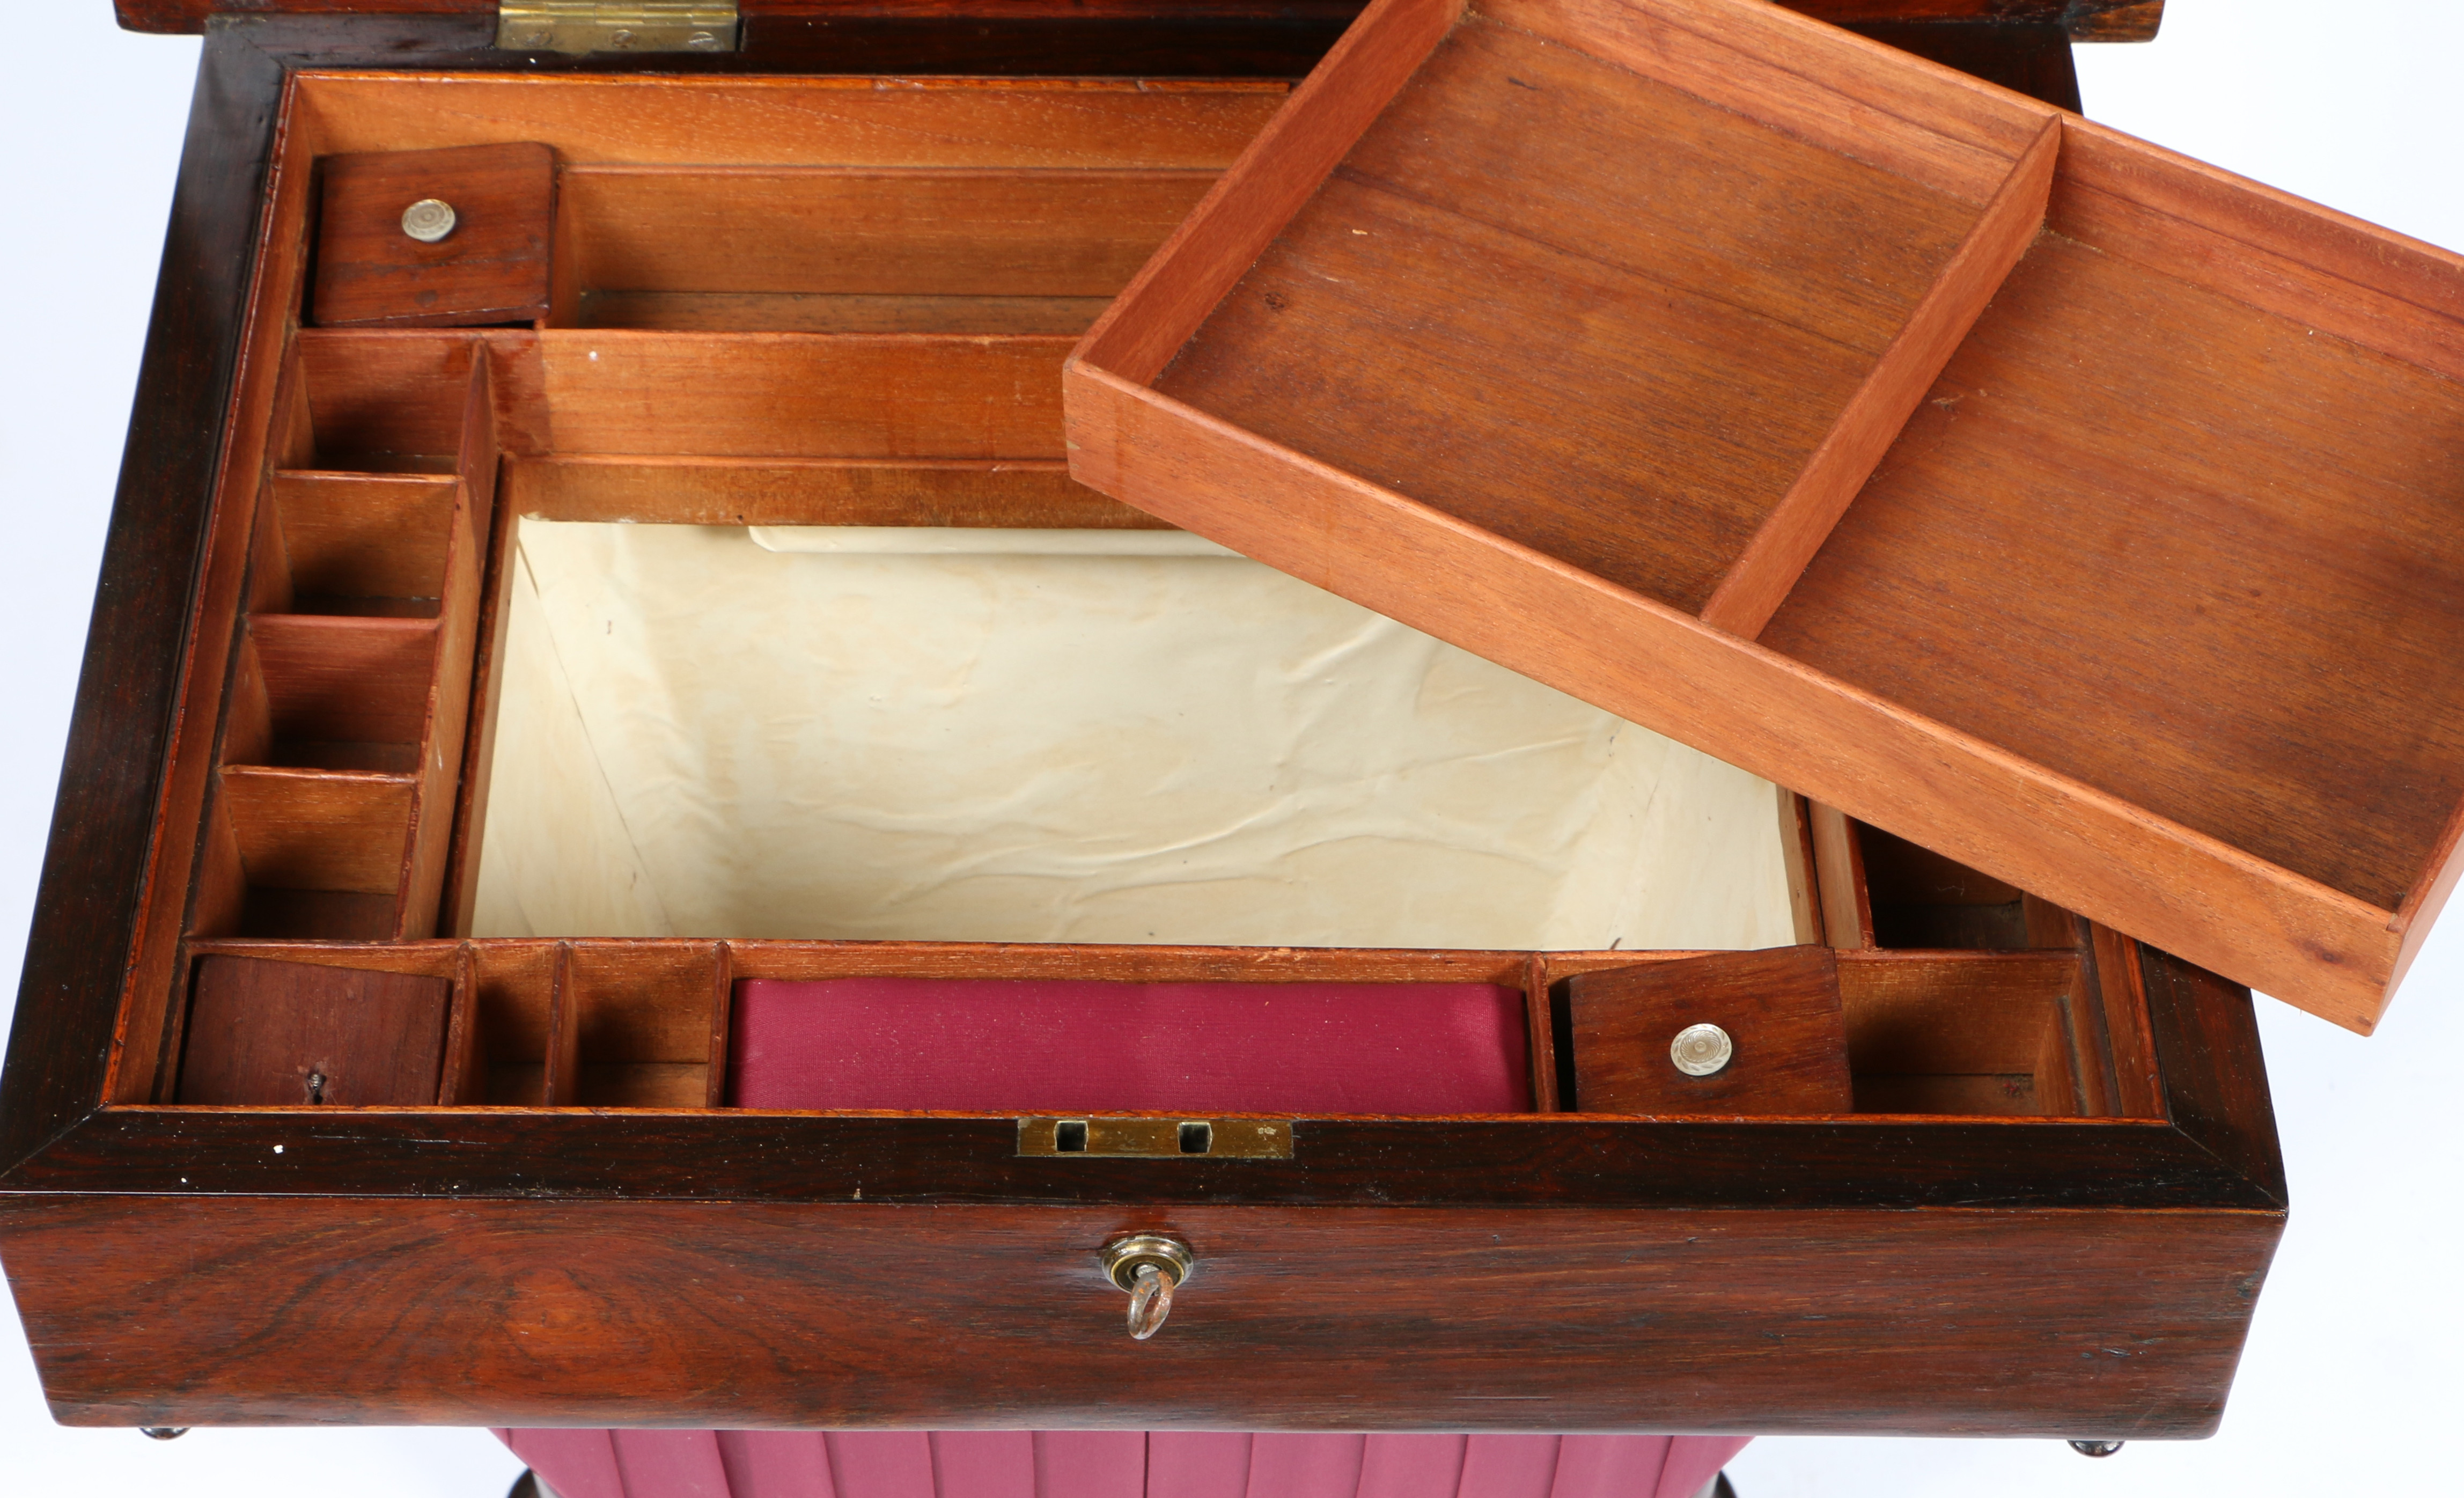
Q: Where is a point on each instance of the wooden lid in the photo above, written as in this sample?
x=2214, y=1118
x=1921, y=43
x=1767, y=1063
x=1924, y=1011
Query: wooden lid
x=2088, y=20
x=2073, y=509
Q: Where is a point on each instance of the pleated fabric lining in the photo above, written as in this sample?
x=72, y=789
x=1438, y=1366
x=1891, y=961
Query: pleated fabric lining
x=1106, y=1463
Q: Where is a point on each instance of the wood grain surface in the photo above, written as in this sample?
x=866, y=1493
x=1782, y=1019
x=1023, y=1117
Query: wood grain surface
x=1687, y=302
x=269, y=1032
x=1779, y=1009
x=491, y=267
x=2089, y=21
x=2255, y=625
x=1889, y=691
x=2114, y=1325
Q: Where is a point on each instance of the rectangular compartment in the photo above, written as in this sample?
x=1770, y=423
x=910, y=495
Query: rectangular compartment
x=2150, y=466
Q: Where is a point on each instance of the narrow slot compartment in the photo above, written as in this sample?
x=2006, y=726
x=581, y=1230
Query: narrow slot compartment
x=860, y=249
x=641, y=1017
x=513, y=989
x=321, y=852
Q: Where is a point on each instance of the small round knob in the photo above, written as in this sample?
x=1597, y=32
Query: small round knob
x=1701, y=1049
x=164, y=1432
x=427, y=220
x=2096, y=1448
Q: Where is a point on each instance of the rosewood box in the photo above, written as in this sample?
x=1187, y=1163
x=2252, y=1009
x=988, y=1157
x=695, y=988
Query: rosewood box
x=632, y=648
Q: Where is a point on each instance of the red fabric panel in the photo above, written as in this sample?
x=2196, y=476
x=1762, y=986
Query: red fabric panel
x=1088, y=1463
x=1304, y=1466
x=1609, y=1467
x=578, y=1464
x=1510, y=1466
x=1410, y=1466
x=1694, y=1461
x=983, y=1463
x=669, y=1464
x=1198, y=1464
x=875, y=1463
x=1038, y=1047
x=776, y=1463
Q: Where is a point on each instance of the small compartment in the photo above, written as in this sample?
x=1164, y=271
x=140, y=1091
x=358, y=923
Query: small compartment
x=333, y=692
x=358, y=543
x=316, y=853
x=377, y=403
x=647, y=1021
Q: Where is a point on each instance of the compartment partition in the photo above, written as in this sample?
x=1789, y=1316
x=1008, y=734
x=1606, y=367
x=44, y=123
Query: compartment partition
x=343, y=733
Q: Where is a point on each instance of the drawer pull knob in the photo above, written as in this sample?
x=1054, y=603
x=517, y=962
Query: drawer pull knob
x=428, y=220
x=1701, y=1050
x=1149, y=1266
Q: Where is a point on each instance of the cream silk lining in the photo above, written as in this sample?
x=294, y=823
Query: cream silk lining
x=701, y=736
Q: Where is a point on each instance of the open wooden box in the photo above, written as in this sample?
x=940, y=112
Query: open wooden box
x=2044, y=1207
x=1568, y=330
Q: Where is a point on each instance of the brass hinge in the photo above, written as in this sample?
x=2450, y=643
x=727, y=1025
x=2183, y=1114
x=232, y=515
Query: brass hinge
x=580, y=25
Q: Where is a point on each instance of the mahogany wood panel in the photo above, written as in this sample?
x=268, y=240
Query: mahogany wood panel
x=1102, y=124
x=1032, y=495
x=792, y=395
x=274, y=1033
x=1780, y=1009
x=800, y=311
x=495, y=1312
x=491, y=267
x=2090, y=20
x=840, y=229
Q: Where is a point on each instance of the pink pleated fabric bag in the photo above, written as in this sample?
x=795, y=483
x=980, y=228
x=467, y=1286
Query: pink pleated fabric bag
x=1088, y=1047
x=1113, y=1464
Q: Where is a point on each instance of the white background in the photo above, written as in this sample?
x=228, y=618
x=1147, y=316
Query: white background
x=2352, y=1374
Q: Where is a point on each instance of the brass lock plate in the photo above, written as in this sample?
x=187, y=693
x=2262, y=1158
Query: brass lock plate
x=1155, y=1138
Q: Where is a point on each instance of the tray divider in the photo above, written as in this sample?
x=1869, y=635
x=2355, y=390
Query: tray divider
x=1761, y=576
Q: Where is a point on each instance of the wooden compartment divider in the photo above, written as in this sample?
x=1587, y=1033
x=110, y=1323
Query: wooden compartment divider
x=342, y=742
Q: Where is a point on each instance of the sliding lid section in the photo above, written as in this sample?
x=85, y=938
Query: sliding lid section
x=2080, y=512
